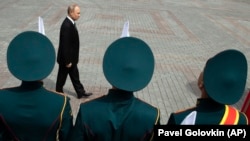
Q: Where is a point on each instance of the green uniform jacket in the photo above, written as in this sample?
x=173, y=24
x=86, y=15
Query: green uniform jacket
x=209, y=112
x=118, y=116
x=32, y=113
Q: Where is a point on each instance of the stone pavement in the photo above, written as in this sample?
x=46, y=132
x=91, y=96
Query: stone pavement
x=183, y=34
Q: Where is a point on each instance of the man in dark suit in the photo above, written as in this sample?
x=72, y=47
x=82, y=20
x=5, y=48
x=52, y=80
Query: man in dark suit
x=68, y=53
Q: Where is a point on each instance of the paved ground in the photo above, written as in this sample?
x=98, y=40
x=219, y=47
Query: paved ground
x=183, y=34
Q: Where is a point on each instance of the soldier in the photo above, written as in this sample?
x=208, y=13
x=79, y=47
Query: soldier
x=128, y=65
x=222, y=83
x=30, y=112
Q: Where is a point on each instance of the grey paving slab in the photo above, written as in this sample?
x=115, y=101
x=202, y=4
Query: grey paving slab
x=183, y=34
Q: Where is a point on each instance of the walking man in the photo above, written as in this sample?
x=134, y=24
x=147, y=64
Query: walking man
x=68, y=53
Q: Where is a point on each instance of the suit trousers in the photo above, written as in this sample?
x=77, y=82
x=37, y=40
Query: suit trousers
x=73, y=73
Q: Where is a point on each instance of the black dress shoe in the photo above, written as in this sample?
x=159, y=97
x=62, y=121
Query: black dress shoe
x=85, y=95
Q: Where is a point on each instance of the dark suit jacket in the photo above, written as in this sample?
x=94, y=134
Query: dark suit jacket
x=68, y=44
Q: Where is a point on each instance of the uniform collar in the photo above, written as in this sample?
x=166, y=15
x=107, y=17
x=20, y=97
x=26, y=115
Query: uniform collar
x=120, y=95
x=31, y=84
x=208, y=104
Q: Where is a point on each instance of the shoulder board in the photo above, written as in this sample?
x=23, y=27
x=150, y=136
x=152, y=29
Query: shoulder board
x=230, y=117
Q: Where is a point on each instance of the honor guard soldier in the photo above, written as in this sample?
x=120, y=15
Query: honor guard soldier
x=128, y=65
x=222, y=84
x=30, y=112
